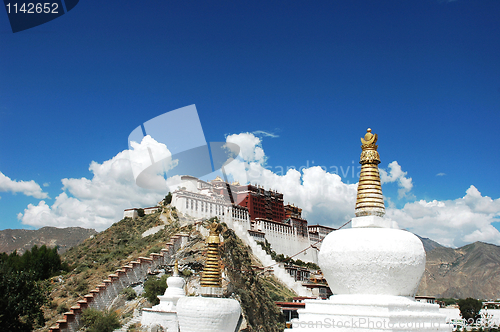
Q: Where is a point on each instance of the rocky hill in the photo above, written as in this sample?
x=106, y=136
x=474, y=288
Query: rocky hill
x=23, y=239
x=469, y=271
x=429, y=244
x=95, y=258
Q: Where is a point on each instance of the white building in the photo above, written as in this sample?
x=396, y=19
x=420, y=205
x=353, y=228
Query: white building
x=134, y=212
x=201, y=200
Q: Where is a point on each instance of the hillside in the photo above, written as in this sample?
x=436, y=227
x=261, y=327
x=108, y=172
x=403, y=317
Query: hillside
x=107, y=251
x=23, y=239
x=469, y=271
x=95, y=258
x=429, y=244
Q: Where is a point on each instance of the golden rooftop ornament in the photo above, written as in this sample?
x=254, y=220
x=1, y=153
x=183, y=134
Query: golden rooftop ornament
x=212, y=276
x=369, y=201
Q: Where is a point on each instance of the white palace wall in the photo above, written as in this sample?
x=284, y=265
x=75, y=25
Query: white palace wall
x=284, y=240
x=205, y=204
x=201, y=207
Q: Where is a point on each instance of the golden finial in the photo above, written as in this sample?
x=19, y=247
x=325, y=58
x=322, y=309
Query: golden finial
x=369, y=154
x=369, y=201
x=176, y=268
x=212, y=276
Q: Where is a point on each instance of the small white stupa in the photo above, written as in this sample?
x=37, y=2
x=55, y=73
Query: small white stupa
x=209, y=312
x=373, y=269
x=165, y=313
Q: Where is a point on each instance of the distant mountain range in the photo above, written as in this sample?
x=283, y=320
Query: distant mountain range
x=23, y=239
x=429, y=244
x=470, y=271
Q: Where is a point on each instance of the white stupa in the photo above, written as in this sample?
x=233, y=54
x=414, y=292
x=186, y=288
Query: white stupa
x=165, y=313
x=373, y=269
x=209, y=312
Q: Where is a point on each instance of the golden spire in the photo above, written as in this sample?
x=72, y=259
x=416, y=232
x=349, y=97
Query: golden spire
x=212, y=276
x=176, y=268
x=369, y=201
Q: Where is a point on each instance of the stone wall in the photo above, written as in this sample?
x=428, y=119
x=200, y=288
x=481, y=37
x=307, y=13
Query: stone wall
x=266, y=260
x=285, y=240
x=103, y=295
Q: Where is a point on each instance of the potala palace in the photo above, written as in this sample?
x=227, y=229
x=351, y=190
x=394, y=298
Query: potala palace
x=258, y=211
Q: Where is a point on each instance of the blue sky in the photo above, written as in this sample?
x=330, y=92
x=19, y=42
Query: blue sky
x=425, y=75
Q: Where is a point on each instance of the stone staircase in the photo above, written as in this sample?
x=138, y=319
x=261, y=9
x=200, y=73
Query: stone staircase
x=266, y=260
x=136, y=318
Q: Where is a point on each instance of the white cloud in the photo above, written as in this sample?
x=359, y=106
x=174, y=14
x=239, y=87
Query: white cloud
x=28, y=188
x=453, y=222
x=440, y=174
x=323, y=196
x=325, y=199
x=100, y=201
x=396, y=174
x=250, y=147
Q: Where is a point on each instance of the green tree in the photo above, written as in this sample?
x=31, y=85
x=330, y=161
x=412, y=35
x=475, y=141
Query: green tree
x=43, y=261
x=140, y=212
x=99, y=321
x=469, y=308
x=21, y=300
x=168, y=199
x=153, y=287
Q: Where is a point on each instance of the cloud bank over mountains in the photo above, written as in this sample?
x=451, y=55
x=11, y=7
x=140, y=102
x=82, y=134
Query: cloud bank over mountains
x=324, y=197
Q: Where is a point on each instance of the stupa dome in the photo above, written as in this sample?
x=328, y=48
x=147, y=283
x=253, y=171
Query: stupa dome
x=372, y=261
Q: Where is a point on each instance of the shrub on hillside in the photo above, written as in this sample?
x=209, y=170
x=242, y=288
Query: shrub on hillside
x=129, y=293
x=155, y=249
x=187, y=272
x=153, y=287
x=99, y=321
x=62, y=308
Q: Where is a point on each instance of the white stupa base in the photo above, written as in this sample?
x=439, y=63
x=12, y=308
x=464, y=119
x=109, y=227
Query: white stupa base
x=154, y=316
x=165, y=313
x=369, y=313
x=208, y=314
x=210, y=291
x=372, y=221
